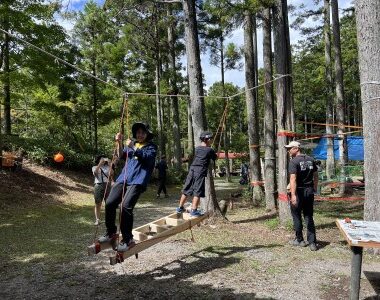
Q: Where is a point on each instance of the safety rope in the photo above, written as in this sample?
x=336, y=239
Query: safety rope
x=126, y=169
x=221, y=124
x=58, y=59
x=113, y=161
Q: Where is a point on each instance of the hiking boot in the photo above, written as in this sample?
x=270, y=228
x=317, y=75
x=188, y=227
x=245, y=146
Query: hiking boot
x=180, y=209
x=313, y=247
x=195, y=213
x=298, y=243
x=123, y=246
x=107, y=238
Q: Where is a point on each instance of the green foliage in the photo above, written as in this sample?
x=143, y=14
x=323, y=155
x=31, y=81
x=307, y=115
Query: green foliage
x=272, y=224
x=310, y=87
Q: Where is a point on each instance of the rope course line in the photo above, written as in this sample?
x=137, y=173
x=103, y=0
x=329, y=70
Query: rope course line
x=370, y=82
x=120, y=89
x=262, y=84
x=61, y=60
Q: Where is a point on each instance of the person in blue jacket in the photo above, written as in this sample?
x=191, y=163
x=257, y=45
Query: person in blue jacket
x=140, y=155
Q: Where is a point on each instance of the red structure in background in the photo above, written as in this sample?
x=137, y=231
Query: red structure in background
x=232, y=155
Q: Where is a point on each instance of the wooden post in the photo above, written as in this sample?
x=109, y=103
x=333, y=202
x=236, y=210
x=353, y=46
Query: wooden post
x=356, y=270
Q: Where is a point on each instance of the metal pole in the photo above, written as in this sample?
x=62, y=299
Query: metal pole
x=356, y=270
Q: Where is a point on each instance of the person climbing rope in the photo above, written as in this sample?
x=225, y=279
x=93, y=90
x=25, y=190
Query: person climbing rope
x=195, y=181
x=140, y=158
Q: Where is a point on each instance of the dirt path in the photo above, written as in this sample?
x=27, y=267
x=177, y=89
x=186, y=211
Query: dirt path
x=46, y=223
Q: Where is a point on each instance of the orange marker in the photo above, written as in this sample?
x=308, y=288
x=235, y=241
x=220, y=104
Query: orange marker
x=58, y=157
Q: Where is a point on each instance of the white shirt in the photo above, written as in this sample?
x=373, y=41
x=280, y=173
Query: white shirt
x=101, y=175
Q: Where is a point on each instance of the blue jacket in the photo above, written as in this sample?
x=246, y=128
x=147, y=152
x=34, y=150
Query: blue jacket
x=139, y=166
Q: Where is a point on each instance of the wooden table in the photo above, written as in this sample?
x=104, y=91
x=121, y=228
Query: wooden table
x=364, y=234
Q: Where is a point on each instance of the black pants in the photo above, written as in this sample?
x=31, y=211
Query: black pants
x=305, y=203
x=131, y=195
x=161, y=185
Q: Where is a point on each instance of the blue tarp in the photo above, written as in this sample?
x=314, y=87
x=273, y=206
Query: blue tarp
x=355, y=148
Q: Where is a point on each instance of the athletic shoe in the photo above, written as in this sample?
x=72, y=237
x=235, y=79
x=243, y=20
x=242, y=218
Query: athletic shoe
x=298, y=243
x=180, y=209
x=195, y=213
x=97, y=222
x=123, y=246
x=107, y=238
x=313, y=247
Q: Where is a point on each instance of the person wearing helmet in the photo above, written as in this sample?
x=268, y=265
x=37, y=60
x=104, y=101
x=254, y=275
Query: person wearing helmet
x=140, y=155
x=195, y=181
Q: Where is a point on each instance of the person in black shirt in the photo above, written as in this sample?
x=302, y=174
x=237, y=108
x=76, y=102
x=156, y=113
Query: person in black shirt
x=162, y=167
x=303, y=183
x=244, y=174
x=195, y=181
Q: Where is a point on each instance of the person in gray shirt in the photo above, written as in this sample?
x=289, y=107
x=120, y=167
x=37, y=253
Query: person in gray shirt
x=101, y=172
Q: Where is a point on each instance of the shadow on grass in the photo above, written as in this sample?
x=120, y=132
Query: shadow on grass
x=323, y=244
x=25, y=187
x=327, y=225
x=54, y=232
x=172, y=280
x=259, y=218
x=41, y=250
x=374, y=280
x=340, y=209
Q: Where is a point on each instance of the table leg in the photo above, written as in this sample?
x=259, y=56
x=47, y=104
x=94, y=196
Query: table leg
x=356, y=270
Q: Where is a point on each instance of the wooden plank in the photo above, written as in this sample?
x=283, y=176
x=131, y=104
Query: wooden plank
x=157, y=228
x=174, y=222
x=359, y=243
x=139, y=236
x=98, y=247
x=182, y=226
x=143, y=229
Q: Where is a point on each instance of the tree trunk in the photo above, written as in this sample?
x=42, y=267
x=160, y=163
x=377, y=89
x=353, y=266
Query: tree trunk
x=190, y=132
x=330, y=163
x=368, y=29
x=196, y=94
x=252, y=112
x=174, y=100
x=282, y=95
x=6, y=80
x=269, y=130
x=339, y=90
x=290, y=117
x=224, y=126
x=161, y=146
x=95, y=110
x=258, y=192
x=94, y=98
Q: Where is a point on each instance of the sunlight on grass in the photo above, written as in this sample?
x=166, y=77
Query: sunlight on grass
x=31, y=257
x=33, y=215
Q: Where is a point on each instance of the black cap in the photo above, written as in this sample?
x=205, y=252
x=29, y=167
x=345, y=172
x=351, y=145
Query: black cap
x=206, y=135
x=144, y=127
